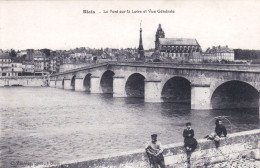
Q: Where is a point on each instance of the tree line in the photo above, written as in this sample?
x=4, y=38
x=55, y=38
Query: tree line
x=244, y=54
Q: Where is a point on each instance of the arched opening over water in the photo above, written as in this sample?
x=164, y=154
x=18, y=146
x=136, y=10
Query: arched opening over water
x=106, y=82
x=73, y=82
x=177, y=89
x=86, y=82
x=63, y=83
x=235, y=94
x=135, y=85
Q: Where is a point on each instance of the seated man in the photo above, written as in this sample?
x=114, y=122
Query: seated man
x=154, y=151
x=220, y=131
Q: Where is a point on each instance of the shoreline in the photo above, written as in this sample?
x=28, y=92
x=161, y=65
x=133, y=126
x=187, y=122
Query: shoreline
x=237, y=145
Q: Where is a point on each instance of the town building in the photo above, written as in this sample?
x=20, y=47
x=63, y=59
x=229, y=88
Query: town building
x=5, y=64
x=28, y=68
x=52, y=66
x=175, y=48
x=40, y=63
x=195, y=57
x=29, y=55
x=78, y=54
x=70, y=66
x=17, y=69
x=219, y=53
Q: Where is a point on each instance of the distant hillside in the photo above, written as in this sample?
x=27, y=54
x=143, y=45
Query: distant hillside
x=241, y=54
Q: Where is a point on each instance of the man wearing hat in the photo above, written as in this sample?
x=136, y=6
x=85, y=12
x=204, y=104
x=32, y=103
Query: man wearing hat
x=154, y=151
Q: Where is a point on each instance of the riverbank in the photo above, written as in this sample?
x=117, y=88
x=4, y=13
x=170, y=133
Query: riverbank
x=238, y=163
x=244, y=145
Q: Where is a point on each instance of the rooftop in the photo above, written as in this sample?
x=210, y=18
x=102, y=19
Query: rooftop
x=178, y=41
x=219, y=49
x=4, y=56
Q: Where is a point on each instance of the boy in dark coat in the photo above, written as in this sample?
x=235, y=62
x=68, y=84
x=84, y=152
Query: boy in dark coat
x=190, y=143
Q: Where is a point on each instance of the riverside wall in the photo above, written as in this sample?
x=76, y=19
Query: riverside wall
x=235, y=146
x=22, y=81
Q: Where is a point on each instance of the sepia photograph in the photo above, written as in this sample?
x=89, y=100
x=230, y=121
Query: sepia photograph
x=130, y=84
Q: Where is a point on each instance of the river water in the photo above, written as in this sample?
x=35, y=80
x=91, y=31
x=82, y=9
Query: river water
x=53, y=125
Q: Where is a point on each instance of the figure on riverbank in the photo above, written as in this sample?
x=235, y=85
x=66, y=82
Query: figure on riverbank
x=220, y=131
x=154, y=152
x=190, y=143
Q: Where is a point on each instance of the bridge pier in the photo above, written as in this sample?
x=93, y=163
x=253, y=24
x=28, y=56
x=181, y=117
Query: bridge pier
x=200, y=96
x=259, y=106
x=59, y=84
x=79, y=86
x=259, y=112
x=152, y=91
x=119, y=86
x=52, y=83
x=67, y=84
x=95, y=84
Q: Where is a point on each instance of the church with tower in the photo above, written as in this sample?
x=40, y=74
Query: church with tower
x=159, y=34
x=176, y=48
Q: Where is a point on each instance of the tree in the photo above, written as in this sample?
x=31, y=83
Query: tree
x=13, y=53
x=46, y=51
x=157, y=60
x=242, y=54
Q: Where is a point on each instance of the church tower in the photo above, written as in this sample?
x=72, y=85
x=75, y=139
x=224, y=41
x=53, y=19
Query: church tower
x=141, y=48
x=159, y=34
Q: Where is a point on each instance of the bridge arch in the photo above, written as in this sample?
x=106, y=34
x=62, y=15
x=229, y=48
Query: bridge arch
x=55, y=82
x=86, y=82
x=63, y=82
x=72, y=83
x=134, y=86
x=176, y=89
x=106, y=81
x=234, y=94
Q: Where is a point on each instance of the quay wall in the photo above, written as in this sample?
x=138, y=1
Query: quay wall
x=22, y=81
x=235, y=146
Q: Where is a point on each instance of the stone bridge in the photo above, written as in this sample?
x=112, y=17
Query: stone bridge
x=205, y=86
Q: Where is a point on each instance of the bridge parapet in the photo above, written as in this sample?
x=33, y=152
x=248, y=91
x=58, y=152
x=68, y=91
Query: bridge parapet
x=211, y=67
x=230, y=67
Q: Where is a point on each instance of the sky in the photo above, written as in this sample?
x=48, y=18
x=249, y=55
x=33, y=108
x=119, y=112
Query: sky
x=63, y=25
